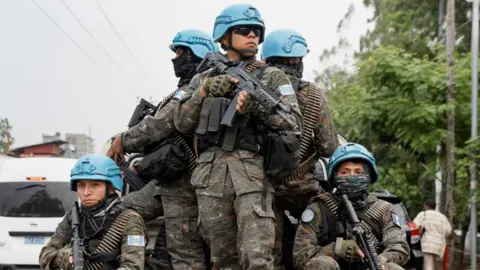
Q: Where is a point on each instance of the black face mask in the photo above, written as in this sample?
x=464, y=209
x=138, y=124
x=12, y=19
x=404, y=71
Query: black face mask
x=293, y=71
x=186, y=64
x=355, y=187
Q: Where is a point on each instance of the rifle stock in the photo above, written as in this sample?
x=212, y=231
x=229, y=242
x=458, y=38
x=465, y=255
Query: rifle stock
x=135, y=182
x=371, y=257
x=142, y=109
x=77, y=245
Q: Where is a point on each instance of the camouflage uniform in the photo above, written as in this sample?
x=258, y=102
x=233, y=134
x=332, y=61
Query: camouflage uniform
x=176, y=199
x=54, y=255
x=234, y=198
x=314, y=247
x=295, y=192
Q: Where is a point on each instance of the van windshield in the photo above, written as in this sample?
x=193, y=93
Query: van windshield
x=35, y=199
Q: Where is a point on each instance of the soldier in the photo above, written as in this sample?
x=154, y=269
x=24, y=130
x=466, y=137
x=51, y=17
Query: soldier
x=320, y=242
x=103, y=218
x=178, y=200
x=285, y=49
x=234, y=195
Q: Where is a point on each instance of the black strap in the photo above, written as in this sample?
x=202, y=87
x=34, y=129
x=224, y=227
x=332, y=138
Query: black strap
x=204, y=113
x=105, y=256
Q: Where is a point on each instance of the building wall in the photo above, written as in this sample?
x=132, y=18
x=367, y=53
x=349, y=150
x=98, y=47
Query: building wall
x=41, y=150
x=82, y=143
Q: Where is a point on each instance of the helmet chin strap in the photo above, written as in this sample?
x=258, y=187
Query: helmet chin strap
x=241, y=52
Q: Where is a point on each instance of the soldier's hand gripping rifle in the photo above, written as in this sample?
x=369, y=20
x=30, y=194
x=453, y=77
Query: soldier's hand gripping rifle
x=77, y=242
x=371, y=257
x=255, y=88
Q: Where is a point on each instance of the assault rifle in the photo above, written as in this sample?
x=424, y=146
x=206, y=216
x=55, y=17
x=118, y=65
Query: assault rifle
x=371, y=257
x=77, y=242
x=255, y=88
x=143, y=109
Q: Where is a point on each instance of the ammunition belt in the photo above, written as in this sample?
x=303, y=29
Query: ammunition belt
x=112, y=239
x=165, y=101
x=330, y=202
x=192, y=159
x=310, y=116
x=369, y=221
x=177, y=138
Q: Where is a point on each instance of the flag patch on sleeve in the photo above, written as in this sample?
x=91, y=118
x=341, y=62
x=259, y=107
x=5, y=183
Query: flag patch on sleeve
x=179, y=95
x=136, y=240
x=396, y=220
x=286, y=89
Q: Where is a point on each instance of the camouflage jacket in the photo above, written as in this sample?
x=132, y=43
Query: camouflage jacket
x=144, y=202
x=324, y=143
x=188, y=112
x=150, y=129
x=310, y=234
x=245, y=167
x=131, y=254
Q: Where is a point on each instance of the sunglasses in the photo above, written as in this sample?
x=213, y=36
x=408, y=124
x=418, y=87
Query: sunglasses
x=245, y=30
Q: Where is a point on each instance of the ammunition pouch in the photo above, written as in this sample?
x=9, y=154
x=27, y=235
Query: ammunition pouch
x=282, y=154
x=167, y=161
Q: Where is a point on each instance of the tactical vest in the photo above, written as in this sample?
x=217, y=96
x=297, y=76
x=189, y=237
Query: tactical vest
x=310, y=113
x=102, y=250
x=209, y=132
x=335, y=224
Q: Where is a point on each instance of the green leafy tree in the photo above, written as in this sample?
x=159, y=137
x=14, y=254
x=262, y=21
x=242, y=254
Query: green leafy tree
x=5, y=135
x=395, y=106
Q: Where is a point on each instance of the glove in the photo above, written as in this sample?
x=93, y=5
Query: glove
x=62, y=258
x=347, y=250
x=219, y=85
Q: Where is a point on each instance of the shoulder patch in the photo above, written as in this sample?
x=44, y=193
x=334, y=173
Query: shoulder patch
x=179, y=94
x=307, y=215
x=396, y=220
x=286, y=89
x=136, y=240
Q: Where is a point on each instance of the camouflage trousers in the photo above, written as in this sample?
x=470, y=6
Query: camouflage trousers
x=239, y=232
x=184, y=241
x=284, y=229
x=329, y=263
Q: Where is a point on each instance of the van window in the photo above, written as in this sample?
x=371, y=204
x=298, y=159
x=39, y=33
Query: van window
x=35, y=199
x=401, y=212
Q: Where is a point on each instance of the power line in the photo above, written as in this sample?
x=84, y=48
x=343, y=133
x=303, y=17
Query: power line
x=94, y=39
x=90, y=34
x=74, y=42
x=120, y=38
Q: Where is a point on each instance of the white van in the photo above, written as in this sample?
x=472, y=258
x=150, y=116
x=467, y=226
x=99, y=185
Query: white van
x=34, y=196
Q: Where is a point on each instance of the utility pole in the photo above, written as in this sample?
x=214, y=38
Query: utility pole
x=450, y=144
x=439, y=176
x=441, y=13
x=474, y=134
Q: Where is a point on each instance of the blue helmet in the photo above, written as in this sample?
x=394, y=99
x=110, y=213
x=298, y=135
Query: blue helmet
x=96, y=167
x=198, y=41
x=284, y=43
x=351, y=151
x=237, y=14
